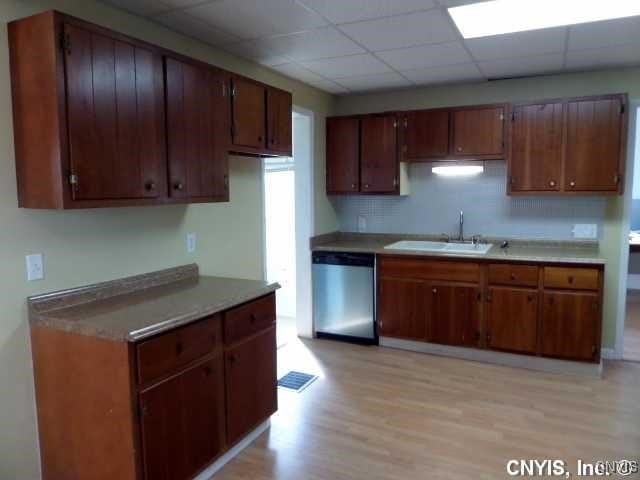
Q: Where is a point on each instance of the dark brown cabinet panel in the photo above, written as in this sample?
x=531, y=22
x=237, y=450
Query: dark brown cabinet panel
x=379, y=154
x=249, y=114
x=536, y=146
x=182, y=422
x=403, y=308
x=454, y=314
x=571, y=325
x=197, y=113
x=343, y=155
x=250, y=369
x=595, y=144
x=115, y=114
x=426, y=134
x=279, y=121
x=478, y=132
x=512, y=319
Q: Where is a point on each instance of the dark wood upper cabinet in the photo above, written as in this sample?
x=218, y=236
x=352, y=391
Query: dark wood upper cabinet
x=403, y=308
x=512, y=319
x=279, y=121
x=197, y=111
x=596, y=132
x=454, y=314
x=425, y=135
x=182, y=422
x=535, y=160
x=478, y=132
x=249, y=114
x=379, y=168
x=343, y=155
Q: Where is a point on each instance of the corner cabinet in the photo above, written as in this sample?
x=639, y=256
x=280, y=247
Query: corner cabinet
x=104, y=120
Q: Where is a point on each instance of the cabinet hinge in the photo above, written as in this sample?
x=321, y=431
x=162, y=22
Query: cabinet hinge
x=234, y=92
x=395, y=124
x=65, y=42
x=73, y=181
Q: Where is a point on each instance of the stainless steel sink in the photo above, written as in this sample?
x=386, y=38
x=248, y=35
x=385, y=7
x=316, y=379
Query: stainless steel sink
x=443, y=247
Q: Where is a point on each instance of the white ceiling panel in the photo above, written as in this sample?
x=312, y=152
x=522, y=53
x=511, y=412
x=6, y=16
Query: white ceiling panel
x=603, y=57
x=319, y=43
x=448, y=74
x=351, y=66
x=337, y=11
x=374, y=82
x=402, y=31
x=413, y=58
x=256, y=51
x=537, y=42
x=519, y=66
x=140, y=7
x=250, y=19
x=328, y=86
x=194, y=27
x=457, y=3
x=605, y=34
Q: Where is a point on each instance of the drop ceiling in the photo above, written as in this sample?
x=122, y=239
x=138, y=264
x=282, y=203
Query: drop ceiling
x=351, y=46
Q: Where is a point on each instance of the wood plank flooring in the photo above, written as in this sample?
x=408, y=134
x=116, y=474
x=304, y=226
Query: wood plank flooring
x=378, y=413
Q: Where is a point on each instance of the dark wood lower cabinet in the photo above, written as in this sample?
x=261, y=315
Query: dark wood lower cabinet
x=454, y=315
x=182, y=422
x=402, y=311
x=512, y=319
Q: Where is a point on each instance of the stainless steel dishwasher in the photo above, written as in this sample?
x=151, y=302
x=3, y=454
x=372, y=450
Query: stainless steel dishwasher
x=344, y=297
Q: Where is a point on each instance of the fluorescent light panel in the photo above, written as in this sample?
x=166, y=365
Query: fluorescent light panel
x=457, y=170
x=508, y=16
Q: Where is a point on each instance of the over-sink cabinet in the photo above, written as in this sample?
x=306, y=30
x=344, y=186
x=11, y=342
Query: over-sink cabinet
x=102, y=119
x=533, y=309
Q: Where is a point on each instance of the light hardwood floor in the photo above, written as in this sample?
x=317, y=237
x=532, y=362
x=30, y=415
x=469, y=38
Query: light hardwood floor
x=379, y=413
x=632, y=327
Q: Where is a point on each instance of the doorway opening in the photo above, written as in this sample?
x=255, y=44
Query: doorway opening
x=288, y=225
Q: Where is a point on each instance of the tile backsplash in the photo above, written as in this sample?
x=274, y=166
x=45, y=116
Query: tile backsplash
x=434, y=204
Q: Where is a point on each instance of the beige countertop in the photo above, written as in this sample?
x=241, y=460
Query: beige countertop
x=565, y=252
x=137, y=307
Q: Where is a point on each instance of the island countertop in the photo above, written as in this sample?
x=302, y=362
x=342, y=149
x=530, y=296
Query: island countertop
x=134, y=308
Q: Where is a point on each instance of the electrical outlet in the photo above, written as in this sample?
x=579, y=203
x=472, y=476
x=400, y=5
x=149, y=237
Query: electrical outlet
x=191, y=242
x=585, y=230
x=35, y=267
x=362, y=223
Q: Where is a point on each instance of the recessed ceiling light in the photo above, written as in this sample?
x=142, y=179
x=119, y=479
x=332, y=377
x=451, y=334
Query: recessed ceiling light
x=457, y=170
x=508, y=16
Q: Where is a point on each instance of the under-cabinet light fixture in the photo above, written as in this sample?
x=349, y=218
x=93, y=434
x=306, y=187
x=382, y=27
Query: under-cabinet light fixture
x=457, y=170
x=496, y=17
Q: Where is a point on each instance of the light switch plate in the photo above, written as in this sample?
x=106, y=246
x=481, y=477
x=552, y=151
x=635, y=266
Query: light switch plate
x=585, y=230
x=362, y=223
x=191, y=242
x=35, y=267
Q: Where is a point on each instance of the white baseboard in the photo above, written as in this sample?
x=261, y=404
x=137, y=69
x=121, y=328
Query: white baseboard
x=207, y=473
x=501, y=358
x=610, y=354
x=633, y=281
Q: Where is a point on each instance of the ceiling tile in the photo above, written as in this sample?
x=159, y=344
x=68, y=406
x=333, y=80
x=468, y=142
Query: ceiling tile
x=402, y=31
x=457, y=3
x=328, y=86
x=319, y=43
x=537, y=42
x=514, y=67
x=604, y=57
x=450, y=73
x=139, y=7
x=355, y=10
x=297, y=71
x=180, y=3
x=605, y=34
x=256, y=51
x=426, y=56
x=353, y=65
x=184, y=23
x=250, y=19
x=374, y=82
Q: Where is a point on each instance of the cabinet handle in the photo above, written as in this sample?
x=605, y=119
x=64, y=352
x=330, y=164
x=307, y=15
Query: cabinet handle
x=366, y=185
x=226, y=181
x=435, y=291
x=253, y=318
x=529, y=298
x=178, y=186
x=488, y=297
x=513, y=276
x=488, y=337
x=552, y=183
x=353, y=186
x=572, y=183
x=459, y=149
x=149, y=186
x=179, y=348
x=570, y=279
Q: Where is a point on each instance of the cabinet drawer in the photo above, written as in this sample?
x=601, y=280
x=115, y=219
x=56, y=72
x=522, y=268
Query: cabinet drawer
x=571, y=278
x=167, y=352
x=249, y=318
x=519, y=275
x=429, y=269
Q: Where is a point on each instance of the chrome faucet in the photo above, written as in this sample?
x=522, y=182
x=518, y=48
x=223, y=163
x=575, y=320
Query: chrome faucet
x=461, y=232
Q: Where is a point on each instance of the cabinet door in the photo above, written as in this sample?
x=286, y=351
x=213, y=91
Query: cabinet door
x=343, y=155
x=478, y=132
x=535, y=163
x=279, y=121
x=249, y=114
x=594, y=144
x=196, y=106
x=402, y=308
x=454, y=315
x=570, y=325
x=379, y=154
x=115, y=114
x=512, y=319
x=182, y=422
x=426, y=134
x=250, y=369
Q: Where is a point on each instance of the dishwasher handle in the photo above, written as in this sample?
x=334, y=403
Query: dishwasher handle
x=344, y=258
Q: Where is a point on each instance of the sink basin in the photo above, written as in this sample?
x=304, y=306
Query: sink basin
x=444, y=247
